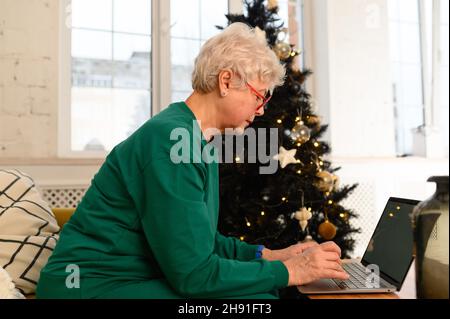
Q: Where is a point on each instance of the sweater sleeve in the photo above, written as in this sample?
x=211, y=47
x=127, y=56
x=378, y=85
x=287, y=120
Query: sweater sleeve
x=181, y=233
x=232, y=248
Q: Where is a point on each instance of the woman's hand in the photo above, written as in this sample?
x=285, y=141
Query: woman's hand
x=287, y=253
x=318, y=262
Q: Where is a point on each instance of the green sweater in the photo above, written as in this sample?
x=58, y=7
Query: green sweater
x=145, y=217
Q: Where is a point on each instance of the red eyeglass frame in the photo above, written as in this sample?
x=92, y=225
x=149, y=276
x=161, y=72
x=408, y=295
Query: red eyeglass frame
x=264, y=100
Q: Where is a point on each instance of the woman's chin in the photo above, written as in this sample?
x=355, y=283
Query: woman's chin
x=239, y=130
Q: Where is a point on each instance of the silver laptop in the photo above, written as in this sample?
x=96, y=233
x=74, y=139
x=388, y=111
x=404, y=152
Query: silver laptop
x=386, y=260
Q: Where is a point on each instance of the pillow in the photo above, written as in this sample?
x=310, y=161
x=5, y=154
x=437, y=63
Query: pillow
x=28, y=230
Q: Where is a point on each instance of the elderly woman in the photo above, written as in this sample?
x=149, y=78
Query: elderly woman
x=147, y=226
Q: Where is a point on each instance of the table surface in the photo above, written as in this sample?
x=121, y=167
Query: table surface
x=408, y=291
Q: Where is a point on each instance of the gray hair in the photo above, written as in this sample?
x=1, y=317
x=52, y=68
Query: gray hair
x=240, y=49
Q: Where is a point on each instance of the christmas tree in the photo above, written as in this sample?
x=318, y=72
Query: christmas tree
x=301, y=200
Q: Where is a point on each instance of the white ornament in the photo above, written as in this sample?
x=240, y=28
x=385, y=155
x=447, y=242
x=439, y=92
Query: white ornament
x=286, y=157
x=303, y=215
x=303, y=224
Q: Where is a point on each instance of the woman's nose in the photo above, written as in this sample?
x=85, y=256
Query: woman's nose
x=260, y=111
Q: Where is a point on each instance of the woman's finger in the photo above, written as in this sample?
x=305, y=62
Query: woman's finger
x=331, y=246
x=335, y=274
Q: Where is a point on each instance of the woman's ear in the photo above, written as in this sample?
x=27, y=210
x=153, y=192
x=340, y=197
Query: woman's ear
x=225, y=77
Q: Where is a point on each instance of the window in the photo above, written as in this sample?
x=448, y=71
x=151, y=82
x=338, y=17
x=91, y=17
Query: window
x=192, y=23
x=406, y=66
x=419, y=64
x=110, y=71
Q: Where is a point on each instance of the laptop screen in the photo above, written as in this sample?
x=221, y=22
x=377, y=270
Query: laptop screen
x=391, y=245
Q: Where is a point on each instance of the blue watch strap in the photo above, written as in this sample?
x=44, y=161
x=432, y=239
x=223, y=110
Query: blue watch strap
x=259, y=251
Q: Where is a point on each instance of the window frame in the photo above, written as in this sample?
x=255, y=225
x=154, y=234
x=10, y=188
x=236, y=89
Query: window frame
x=432, y=85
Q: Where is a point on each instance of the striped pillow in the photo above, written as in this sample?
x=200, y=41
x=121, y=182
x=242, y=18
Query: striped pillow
x=28, y=230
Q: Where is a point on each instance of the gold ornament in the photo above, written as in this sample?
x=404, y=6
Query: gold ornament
x=313, y=120
x=303, y=216
x=300, y=133
x=326, y=181
x=286, y=157
x=282, y=50
x=272, y=4
x=327, y=230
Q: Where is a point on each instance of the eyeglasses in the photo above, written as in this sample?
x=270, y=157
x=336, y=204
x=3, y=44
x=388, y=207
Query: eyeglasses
x=263, y=99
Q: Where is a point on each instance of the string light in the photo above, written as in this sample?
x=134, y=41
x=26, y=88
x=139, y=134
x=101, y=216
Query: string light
x=330, y=202
x=316, y=144
x=284, y=199
x=248, y=223
x=398, y=207
x=342, y=215
x=321, y=163
x=263, y=213
x=238, y=159
x=309, y=208
x=391, y=215
x=299, y=172
x=242, y=238
x=279, y=121
x=299, y=144
x=297, y=119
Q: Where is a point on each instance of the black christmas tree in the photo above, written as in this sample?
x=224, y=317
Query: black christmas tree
x=301, y=200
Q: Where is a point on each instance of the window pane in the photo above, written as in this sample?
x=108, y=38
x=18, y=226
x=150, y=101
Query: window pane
x=394, y=42
x=192, y=22
x=444, y=45
x=132, y=61
x=103, y=117
x=213, y=14
x=183, y=54
x=185, y=18
x=110, y=77
x=91, y=44
x=444, y=12
x=408, y=10
x=92, y=14
x=128, y=46
x=283, y=12
x=410, y=43
x=444, y=84
x=406, y=70
x=133, y=18
x=180, y=95
x=411, y=84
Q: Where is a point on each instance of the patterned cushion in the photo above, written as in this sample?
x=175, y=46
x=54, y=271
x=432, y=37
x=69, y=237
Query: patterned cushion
x=28, y=230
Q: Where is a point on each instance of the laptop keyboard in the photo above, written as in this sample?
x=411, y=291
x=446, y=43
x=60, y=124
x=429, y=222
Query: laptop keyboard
x=357, y=278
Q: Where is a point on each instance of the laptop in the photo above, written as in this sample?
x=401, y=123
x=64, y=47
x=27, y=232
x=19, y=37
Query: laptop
x=387, y=258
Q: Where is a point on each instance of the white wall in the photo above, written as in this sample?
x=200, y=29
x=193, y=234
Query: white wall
x=28, y=78
x=349, y=54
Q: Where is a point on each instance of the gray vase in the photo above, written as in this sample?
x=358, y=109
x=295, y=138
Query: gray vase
x=431, y=242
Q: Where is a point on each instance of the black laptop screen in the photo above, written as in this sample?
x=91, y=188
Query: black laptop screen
x=391, y=245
